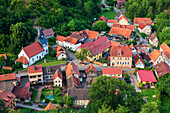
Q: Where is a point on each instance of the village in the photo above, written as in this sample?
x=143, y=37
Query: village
x=128, y=52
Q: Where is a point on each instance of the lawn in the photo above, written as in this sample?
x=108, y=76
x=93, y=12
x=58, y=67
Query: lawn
x=50, y=63
x=109, y=14
x=149, y=93
x=165, y=103
x=34, y=95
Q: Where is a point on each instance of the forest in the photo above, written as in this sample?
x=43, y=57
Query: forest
x=18, y=19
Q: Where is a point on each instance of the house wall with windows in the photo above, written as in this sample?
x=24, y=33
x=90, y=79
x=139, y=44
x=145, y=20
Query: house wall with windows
x=81, y=102
x=124, y=22
x=60, y=42
x=36, y=77
x=158, y=60
x=114, y=75
x=49, y=36
x=71, y=46
x=57, y=82
x=121, y=62
x=146, y=30
x=96, y=57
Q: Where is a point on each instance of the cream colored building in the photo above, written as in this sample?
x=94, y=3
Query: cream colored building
x=57, y=79
x=123, y=20
x=143, y=28
x=112, y=72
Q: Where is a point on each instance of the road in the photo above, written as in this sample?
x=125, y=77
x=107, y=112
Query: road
x=144, y=41
x=34, y=106
x=134, y=82
x=104, y=3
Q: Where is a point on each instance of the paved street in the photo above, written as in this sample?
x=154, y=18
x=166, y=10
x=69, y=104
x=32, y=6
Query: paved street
x=34, y=106
x=104, y=3
x=134, y=82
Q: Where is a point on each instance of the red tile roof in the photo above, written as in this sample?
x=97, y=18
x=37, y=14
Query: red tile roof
x=102, y=18
x=164, y=46
x=146, y=76
x=138, y=59
x=60, y=38
x=120, y=31
x=167, y=52
x=92, y=34
x=3, y=55
x=131, y=46
x=142, y=25
x=48, y=32
x=111, y=21
x=120, y=1
x=162, y=68
x=33, y=49
x=71, y=40
x=60, y=48
x=61, y=52
x=73, y=82
x=7, y=97
x=89, y=68
x=131, y=27
x=50, y=106
x=86, y=45
x=142, y=46
x=155, y=54
x=123, y=16
x=23, y=60
x=125, y=51
x=112, y=71
x=35, y=69
x=140, y=20
x=22, y=92
x=147, y=57
x=6, y=67
x=100, y=41
x=5, y=77
x=71, y=68
x=113, y=43
x=57, y=74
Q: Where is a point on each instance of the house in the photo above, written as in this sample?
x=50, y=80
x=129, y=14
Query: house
x=22, y=93
x=102, y=18
x=123, y=20
x=48, y=73
x=59, y=40
x=35, y=74
x=80, y=96
x=148, y=59
x=81, y=35
x=72, y=76
x=139, y=61
x=114, y=43
x=120, y=3
x=50, y=106
x=156, y=57
x=71, y=43
x=146, y=77
x=121, y=56
x=138, y=21
x=145, y=48
x=144, y=28
x=134, y=50
x=48, y=33
x=7, y=81
x=163, y=47
x=60, y=53
x=111, y=22
x=118, y=32
x=92, y=34
x=58, y=79
x=91, y=73
x=9, y=99
x=161, y=69
x=112, y=72
x=131, y=27
x=118, y=15
x=153, y=39
x=34, y=52
x=166, y=55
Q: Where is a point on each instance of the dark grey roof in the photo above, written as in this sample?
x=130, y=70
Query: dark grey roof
x=78, y=94
x=41, y=38
x=50, y=69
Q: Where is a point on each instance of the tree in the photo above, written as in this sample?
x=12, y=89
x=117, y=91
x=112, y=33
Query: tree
x=105, y=109
x=69, y=101
x=6, y=71
x=150, y=107
x=100, y=25
x=2, y=60
x=140, y=84
x=165, y=34
x=122, y=109
x=126, y=76
x=65, y=98
x=83, y=54
x=2, y=106
x=103, y=91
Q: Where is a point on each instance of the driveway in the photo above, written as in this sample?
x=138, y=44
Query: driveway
x=104, y=3
x=134, y=82
x=34, y=106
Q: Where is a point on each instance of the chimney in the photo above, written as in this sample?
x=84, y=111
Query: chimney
x=39, y=32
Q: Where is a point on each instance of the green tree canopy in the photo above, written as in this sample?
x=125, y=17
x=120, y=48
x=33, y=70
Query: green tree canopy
x=100, y=25
x=150, y=107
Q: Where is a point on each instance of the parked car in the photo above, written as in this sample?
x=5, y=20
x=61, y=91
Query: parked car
x=69, y=58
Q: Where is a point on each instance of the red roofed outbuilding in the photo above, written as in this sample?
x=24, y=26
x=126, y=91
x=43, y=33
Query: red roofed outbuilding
x=112, y=72
x=48, y=33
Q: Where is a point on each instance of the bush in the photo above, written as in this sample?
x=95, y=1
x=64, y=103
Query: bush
x=140, y=84
x=143, y=35
x=18, y=65
x=63, y=59
x=42, y=96
x=47, y=100
x=6, y=71
x=126, y=76
x=105, y=10
x=53, y=53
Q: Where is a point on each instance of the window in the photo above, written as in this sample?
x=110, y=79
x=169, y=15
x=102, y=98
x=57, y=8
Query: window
x=37, y=57
x=125, y=58
x=127, y=63
x=46, y=77
x=32, y=59
x=117, y=62
x=122, y=62
x=59, y=81
x=99, y=49
x=120, y=58
x=42, y=54
x=59, y=84
x=39, y=75
x=96, y=50
x=118, y=75
x=113, y=58
x=46, y=50
x=39, y=79
x=55, y=81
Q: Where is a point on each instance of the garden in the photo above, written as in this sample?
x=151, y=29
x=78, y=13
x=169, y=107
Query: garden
x=51, y=95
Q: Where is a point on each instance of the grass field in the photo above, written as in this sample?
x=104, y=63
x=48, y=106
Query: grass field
x=50, y=63
x=149, y=93
x=109, y=14
x=34, y=95
x=165, y=103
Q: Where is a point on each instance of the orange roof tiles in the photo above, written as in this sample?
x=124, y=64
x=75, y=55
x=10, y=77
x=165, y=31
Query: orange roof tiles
x=111, y=21
x=113, y=43
x=131, y=27
x=34, y=69
x=71, y=40
x=142, y=25
x=3, y=55
x=6, y=67
x=48, y=32
x=124, y=51
x=138, y=59
x=57, y=74
x=60, y=48
x=60, y=38
x=102, y=18
x=140, y=20
x=155, y=54
x=131, y=46
x=7, y=97
x=123, y=16
x=92, y=34
x=23, y=60
x=164, y=46
x=89, y=68
x=162, y=68
x=60, y=53
x=5, y=77
x=167, y=52
x=112, y=71
x=50, y=106
x=71, y=68
x=33, y=49
x=120, y=31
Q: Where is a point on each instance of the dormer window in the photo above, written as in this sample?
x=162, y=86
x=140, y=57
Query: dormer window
x=96, y=50
x=99, y=49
